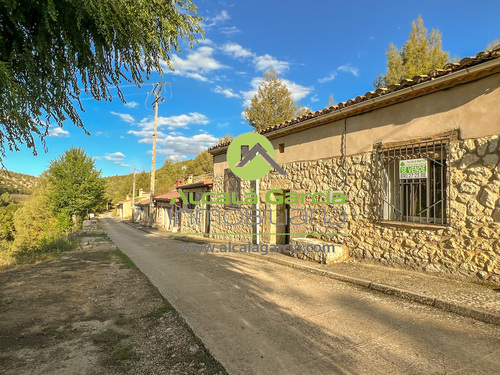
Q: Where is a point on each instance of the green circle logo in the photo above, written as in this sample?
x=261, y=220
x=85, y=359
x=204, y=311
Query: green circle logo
x=251, y=156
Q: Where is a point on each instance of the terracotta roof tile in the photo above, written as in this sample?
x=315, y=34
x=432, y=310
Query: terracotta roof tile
x=167, y=196
x=466, y=62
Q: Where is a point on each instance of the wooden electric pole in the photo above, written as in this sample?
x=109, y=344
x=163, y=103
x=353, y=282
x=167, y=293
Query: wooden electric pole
x=157, y=91
x=133, y=199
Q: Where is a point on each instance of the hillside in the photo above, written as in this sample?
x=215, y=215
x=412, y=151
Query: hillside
x=119, y=186
x=16, y=183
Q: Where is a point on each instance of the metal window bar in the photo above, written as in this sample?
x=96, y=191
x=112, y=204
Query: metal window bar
x=417, y=199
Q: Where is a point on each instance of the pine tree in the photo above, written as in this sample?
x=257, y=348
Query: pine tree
x=421, y=53
x=273, y=103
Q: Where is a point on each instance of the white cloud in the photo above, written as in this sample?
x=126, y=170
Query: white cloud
x=298, y=91
x=230, y=30
x=217, y=19
x=116, y=157
x=236, y=51
x=56, y=131
x=124, y=117
x=228, y=93
x=131, y=104
x=117, y=154
x=195, y=65
x=349, y=68
x=173, y=122
x=314, y=99
x=266, y=61
x=329, y=78
x=181, y=145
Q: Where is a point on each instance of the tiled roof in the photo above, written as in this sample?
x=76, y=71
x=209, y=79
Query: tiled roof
x=167, y=196
x=143, y=202
x=127, y=200
x=464, y=63
x=196, y=185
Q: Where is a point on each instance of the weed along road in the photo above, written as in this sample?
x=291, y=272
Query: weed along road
x=258, y=317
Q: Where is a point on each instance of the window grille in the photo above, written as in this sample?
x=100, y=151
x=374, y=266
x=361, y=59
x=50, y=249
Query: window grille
x=232, y=184
x=415, y=182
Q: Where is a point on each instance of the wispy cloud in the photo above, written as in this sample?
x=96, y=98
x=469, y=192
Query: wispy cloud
x=219, y=18
x=266, y=61
x=117, y=154
x=328, y=78
x=182, y=145
x=196, y=65
x=115, y=157
x=228, y=93
x=349, y=68
x=236, y=51
x=56, y=131
x=173, y=122
x=229, y=30
x=298, y=91
x=124, y=117
x=131, y=104
x=261, y=62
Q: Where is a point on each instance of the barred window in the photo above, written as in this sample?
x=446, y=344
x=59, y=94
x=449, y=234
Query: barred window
x=232, y=184
x=192, y=197
x=415, y=182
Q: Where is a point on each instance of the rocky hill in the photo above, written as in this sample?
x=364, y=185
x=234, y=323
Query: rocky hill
x=16, y=183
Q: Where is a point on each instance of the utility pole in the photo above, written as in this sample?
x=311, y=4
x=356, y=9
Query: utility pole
x=157, y=91
x=133, y=199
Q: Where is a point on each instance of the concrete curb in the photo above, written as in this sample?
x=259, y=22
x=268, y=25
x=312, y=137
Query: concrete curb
x=423, y=299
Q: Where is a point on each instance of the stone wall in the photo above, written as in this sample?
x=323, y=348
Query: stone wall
x=469, y=246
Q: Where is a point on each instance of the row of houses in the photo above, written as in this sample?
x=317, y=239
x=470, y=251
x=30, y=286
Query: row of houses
x=444, y=219
x=166, y=206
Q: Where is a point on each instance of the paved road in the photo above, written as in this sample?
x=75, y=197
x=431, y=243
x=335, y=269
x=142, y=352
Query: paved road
x=257, y=317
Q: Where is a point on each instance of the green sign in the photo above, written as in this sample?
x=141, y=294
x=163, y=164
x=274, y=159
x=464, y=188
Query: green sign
x=251, y=156
x=410, y=169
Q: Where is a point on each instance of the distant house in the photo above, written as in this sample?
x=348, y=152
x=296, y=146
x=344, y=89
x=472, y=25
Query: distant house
x=193, y=215
x=124, y=209
x=418, y=162
x=165, y=209
x=142, y=211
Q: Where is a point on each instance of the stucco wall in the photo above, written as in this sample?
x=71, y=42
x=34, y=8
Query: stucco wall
x=313, y=160
x=472, y=108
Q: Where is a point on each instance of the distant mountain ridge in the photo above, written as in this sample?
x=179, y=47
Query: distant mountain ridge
x=16, y=183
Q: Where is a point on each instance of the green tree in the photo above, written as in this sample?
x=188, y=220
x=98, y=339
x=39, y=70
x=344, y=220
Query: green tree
x=51, y=51
x=75, y=185
x=273, y=103
x=421, y=53
x=7, y=210
x=34, y=221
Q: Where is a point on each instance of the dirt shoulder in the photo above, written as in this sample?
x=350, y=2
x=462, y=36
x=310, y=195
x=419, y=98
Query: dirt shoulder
x=91, y=311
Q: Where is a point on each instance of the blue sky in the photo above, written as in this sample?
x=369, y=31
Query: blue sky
x=318, y=47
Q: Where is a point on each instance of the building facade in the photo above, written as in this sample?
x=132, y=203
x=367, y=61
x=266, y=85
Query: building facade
x=419, y=166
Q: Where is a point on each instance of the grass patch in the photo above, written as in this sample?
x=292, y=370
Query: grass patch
x=124, y=354
x=97, y=256
x=161, y=310
x=125, y=259
x=121, y=321
x=108, y=337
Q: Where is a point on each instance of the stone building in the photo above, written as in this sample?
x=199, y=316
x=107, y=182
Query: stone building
x=165, y=209
x=418, y=163
x=192, y=216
